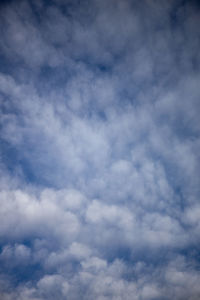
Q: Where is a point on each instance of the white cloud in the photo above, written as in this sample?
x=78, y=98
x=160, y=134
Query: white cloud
x=100, y=150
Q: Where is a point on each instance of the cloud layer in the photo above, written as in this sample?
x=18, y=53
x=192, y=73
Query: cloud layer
x=100, y=150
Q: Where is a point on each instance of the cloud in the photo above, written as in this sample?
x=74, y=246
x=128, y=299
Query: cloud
x=100, y=150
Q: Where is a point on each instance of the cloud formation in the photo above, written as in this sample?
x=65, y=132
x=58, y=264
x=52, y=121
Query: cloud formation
x=100, y=148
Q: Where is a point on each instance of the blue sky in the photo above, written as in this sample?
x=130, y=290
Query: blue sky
x=100, y=140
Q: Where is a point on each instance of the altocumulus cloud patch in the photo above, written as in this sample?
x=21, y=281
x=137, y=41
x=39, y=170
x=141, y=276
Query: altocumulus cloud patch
x=99, y=150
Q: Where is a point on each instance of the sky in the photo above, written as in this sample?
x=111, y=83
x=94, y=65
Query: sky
x=100, y=150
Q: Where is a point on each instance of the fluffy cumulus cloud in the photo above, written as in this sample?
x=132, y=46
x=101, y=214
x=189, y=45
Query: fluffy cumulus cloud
x=100, y=141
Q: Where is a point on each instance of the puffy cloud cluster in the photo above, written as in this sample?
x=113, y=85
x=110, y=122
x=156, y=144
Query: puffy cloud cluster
x=100, y=148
